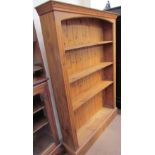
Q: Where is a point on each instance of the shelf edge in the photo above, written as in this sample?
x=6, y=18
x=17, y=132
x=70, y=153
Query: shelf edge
x=90, y=70
x=84, y=97
x=87, y=45
x=41, y=126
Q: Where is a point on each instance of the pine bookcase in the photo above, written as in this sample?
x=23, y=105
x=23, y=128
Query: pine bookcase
x=81, y=52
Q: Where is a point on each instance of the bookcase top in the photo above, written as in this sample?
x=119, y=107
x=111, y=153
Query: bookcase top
x=51, y=6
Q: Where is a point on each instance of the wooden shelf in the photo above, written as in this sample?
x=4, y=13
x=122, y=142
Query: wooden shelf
x=38, y=107
x=87, y=45
x=38, y=80
x=88, y=71
x=39, y=124
x=37, y=68
x=91, y=127
x=84, y=97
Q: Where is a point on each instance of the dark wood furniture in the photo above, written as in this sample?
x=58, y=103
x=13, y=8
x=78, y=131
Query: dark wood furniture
x=81, y=53
x=45, y=137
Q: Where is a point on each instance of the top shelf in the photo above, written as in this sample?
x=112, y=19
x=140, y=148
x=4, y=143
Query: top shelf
x=87, y=45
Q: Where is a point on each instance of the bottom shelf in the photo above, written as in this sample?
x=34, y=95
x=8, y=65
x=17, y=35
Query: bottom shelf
x=87, y=131
x=42, y=140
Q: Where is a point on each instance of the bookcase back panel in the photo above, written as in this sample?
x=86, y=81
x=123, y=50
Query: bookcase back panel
x=103, y=99
x=107, y=30
x=80, y=31
x=81, y=59
x=108, y=73
x=108, y=97
x=88, y=110
x=108, y=53
x=86, y=83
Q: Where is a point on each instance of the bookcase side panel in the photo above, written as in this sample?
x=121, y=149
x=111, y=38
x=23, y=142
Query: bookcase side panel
x=57, y=77
x=61, y=41
x=114, y=63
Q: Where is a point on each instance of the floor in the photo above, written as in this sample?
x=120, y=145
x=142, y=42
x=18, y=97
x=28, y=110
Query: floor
x=109, y=143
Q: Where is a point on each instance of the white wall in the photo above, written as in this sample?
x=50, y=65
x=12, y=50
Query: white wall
x=100, y=4
x=85, y=3
x=76, y=2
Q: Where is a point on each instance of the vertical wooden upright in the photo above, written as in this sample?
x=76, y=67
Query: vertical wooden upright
x=80, y=45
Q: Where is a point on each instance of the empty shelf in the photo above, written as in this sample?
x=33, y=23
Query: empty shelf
x=37, y=68
x=88, y=71
x=38, y=107
x=87, y=131
x=39, y=124
x=87, y=45
x=84, y=97
x=39, y=79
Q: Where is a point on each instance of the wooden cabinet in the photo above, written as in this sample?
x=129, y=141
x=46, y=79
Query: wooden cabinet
x=81, y=51
x=45, y=137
